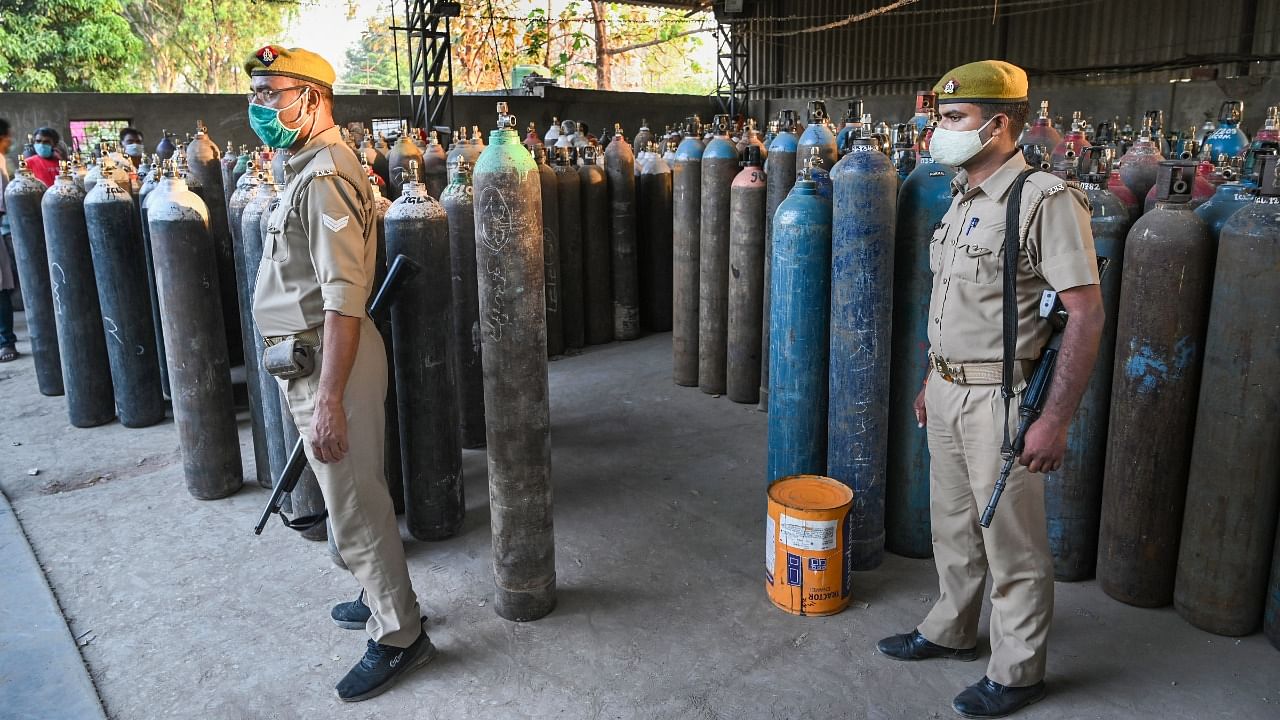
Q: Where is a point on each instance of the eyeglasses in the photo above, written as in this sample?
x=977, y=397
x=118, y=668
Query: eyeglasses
x=266, y=96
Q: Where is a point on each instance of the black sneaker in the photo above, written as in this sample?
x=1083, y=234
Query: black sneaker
x=351, y=615
x=381, y=666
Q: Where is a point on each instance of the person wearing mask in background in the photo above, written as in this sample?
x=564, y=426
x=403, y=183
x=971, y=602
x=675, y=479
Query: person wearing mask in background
x=131, y=145
x=44, y=158
x=8, y=273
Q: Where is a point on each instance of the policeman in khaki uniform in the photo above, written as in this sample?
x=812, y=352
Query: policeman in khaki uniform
x=313, y=285
x=983, y=106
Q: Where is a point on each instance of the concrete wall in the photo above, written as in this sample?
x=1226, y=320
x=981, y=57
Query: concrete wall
x=225, y=114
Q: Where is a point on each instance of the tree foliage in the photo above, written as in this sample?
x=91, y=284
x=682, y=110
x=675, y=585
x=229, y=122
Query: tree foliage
x=70, y=45
x=371, y=61
x=199, y=45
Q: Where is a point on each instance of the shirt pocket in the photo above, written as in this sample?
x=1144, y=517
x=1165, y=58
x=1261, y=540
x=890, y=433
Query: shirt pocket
x=981, y=255
x=935, y=247
x=276, y=243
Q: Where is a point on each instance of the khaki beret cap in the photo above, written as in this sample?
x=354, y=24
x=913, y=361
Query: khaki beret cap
x=291, y=62
x=986, y=81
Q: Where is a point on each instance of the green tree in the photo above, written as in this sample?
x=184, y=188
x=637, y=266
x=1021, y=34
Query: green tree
x=68, y=45
x=199, y=46
x=371, y=61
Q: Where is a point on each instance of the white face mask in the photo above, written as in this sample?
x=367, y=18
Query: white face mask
x=957, y=147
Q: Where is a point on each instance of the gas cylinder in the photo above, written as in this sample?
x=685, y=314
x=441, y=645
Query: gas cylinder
x=228, y=167
x=1123, y=194
x=1138, y=166
x=1232, y=490
x=241, y=169
x=1073, y=493
x=597, y=290
x=120, y=271
x=751, y=136
x=1227, y=199
x=654, y=241
x=818, y=135
x=1228, y=138
x=798, y=347
x=456, y=152
x=205, y=180
x=549, y=181
x=553, y=132
x=1160, y=326
x=152, y=180
x=903, y=153
x=818, y=172
x=22, y=197
x=923, y=199
x=471, y=151
x=569, y=196
x=187, y=280
x=852, y=125
x=686, y=204
x=250, y=236
x=459, y=206
x=1041, y=131
x=508, y=248
x=780, y=177
x=86, y=371
x=1201, y=190
x=1075, y=137
x=422, y=327
x=236, y=205
x=434, y=173
x=719, y=167
x=107, y=167
x=165, y=148
x=404, y=155
x=643, y=136
x=619, y=168
x=862, y=243
x=746, y=279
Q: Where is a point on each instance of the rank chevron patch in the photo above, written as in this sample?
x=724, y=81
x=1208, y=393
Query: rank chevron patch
x=333, y=223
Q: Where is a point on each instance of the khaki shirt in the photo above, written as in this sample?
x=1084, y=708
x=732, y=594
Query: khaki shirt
x=321, y=246
x=966, y=306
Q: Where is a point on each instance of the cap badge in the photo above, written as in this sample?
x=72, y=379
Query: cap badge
x=267, y=55
x=950, y=88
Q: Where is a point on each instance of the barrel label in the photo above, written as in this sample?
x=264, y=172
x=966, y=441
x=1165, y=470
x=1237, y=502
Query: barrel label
x=794, y=573
x=807, y=534
x=770, y=548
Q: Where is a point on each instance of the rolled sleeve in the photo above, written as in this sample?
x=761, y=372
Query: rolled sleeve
x=1061, y=241
x=335, y=229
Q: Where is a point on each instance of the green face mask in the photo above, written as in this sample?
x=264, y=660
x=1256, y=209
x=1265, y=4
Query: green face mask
x=266, y=123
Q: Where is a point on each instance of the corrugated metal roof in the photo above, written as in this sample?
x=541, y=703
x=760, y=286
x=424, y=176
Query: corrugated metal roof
x=1059, y=42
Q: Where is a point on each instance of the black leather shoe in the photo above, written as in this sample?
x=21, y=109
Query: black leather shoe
x=351, y=615
x=914, y=646
x=988, y=699
x=381, y=666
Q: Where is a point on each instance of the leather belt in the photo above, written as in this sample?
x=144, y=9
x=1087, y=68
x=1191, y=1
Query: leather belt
x=311, y=337
x=990, y=373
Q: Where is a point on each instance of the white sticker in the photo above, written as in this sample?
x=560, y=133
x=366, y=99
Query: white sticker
x=807, y=534
x=770, y=547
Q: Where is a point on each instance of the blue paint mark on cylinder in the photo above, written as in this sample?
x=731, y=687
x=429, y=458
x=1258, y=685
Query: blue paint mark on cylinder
x=922, y=201
x=863, y=220
x=800, y=293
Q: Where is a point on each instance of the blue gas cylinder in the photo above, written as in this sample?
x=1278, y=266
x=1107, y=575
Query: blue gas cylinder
x=862, y=233
x=1226, y=200
x=1228, y=139
x=922, y=201
x=800, y=298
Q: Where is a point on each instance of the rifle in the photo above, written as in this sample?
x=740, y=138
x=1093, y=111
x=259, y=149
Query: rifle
x=401, y=271
x=1037, y=391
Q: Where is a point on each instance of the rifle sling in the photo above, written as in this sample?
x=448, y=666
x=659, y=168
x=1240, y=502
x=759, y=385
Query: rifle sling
x=1012, y=247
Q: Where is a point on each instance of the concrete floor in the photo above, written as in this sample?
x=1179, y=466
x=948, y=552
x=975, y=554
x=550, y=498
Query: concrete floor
x=181, y=612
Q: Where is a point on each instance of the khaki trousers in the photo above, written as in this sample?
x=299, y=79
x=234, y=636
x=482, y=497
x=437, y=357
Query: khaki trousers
x=355, y=491
x=964, y=425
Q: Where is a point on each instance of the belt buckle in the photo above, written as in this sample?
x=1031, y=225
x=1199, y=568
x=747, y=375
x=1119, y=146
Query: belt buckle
x=941, y=367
